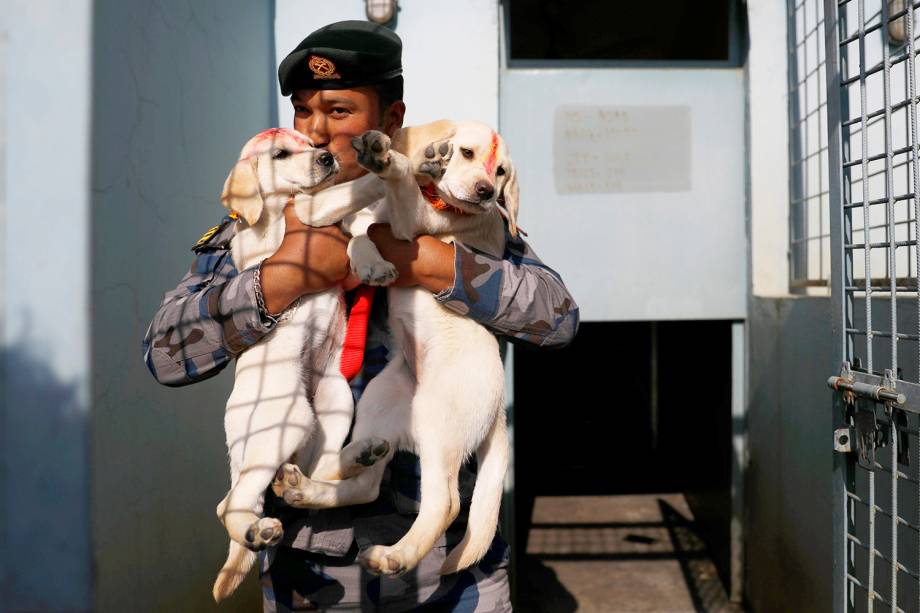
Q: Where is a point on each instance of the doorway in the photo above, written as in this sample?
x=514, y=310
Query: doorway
x=623, y=465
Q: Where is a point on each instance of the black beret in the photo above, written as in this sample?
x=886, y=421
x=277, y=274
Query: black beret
x=342, y=55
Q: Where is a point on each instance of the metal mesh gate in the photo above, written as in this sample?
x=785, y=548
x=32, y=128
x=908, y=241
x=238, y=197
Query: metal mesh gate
x=871, y=56
x=809, y=234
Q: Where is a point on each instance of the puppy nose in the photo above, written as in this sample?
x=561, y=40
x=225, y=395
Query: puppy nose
x=326, y=160
x=484, y=189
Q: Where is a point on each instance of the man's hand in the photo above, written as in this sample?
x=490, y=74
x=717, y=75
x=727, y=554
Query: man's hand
x=424, y=261
x=309, y=260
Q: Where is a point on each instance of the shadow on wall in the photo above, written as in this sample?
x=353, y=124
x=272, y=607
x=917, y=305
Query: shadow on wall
x=44, y=480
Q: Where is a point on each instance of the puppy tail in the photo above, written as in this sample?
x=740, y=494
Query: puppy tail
x=239, y=562
x=487, y=499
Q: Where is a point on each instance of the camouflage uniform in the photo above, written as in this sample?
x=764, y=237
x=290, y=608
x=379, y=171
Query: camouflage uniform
x=212, y=316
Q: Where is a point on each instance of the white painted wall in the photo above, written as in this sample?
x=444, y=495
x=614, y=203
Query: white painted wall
x=44, y=348
x=178, y=88
x=450, y=53
x=768, y=147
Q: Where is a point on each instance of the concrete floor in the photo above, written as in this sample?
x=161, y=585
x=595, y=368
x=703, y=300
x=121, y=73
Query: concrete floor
x=614, y=554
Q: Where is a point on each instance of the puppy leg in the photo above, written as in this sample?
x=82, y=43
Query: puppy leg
x=268, y=417
x=367, y=263
x=333, y=204
x=382, y=414
x=487, y=496
x=402, y=191
x=333, y=404
x=363, y=255
x=439, y=499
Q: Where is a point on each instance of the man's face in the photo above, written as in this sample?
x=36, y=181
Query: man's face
x=331, y=118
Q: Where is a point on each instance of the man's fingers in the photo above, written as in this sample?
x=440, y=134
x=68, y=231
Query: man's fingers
x=291, y=221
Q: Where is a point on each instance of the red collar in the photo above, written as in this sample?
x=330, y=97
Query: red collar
x=437, y=203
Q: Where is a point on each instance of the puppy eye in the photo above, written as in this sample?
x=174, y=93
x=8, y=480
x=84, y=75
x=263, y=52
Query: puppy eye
x=500, y=171
x=280, y=154
x=467, y=153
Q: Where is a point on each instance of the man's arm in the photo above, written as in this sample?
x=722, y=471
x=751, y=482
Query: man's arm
x=208, y=319
x=517, y=295
x=214, y=312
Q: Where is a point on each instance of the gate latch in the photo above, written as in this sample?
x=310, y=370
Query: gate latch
x=864, y=429
x=867, y=436
x=852, y=389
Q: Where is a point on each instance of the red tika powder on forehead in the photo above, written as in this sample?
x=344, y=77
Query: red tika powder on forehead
x=262, y=141
x=493, y=154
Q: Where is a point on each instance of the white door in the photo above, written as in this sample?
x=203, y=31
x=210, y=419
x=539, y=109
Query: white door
x=632, y=171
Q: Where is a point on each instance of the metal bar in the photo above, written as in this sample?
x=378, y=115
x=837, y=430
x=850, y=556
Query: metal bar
x=865, y=193
x=893, y=303
x=900, y=474
x=909, y=389
x=860, y=35
x=865, y=184
x=877, y=156
x=901, y=289
x=797, y=187
x=891, y=245
x=875, y=201
x=820, y=20
x=900, y=567
x=915, y=144
x=878, y=67
x=874, y=595
x=874, y=173
x=901, y=521
x=901, y=335
x=866, y=390
x=879, y=112
x=838, y=280
x=803, y=212
x=863, y=30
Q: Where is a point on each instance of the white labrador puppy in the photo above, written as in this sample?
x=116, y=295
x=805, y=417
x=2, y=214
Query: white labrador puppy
x=442, y=394
x=269, y=415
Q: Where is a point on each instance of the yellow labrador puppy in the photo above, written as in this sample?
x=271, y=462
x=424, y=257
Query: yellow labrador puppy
x=288, y=387
x=442, y=394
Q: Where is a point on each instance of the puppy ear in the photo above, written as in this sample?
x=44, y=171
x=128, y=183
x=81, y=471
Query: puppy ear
x=509, y=198
x=409, y=140
x=241, y=191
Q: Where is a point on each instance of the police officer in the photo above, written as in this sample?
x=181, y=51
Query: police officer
x=342, y=80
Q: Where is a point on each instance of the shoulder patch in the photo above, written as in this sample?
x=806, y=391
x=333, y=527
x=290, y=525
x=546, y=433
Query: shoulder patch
x=209, y=236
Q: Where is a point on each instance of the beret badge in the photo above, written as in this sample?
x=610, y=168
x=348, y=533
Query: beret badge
x=322, y=68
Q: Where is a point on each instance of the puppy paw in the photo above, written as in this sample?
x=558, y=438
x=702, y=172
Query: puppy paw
x=291, y=485
x=378, y=272
x=385, y=560
x=266, y=532
x=367, y=452
x=433, y=159
x=288, y=476
x=373, y=150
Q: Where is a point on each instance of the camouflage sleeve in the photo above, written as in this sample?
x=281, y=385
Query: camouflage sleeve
x=207, y=320
x=516, y=296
